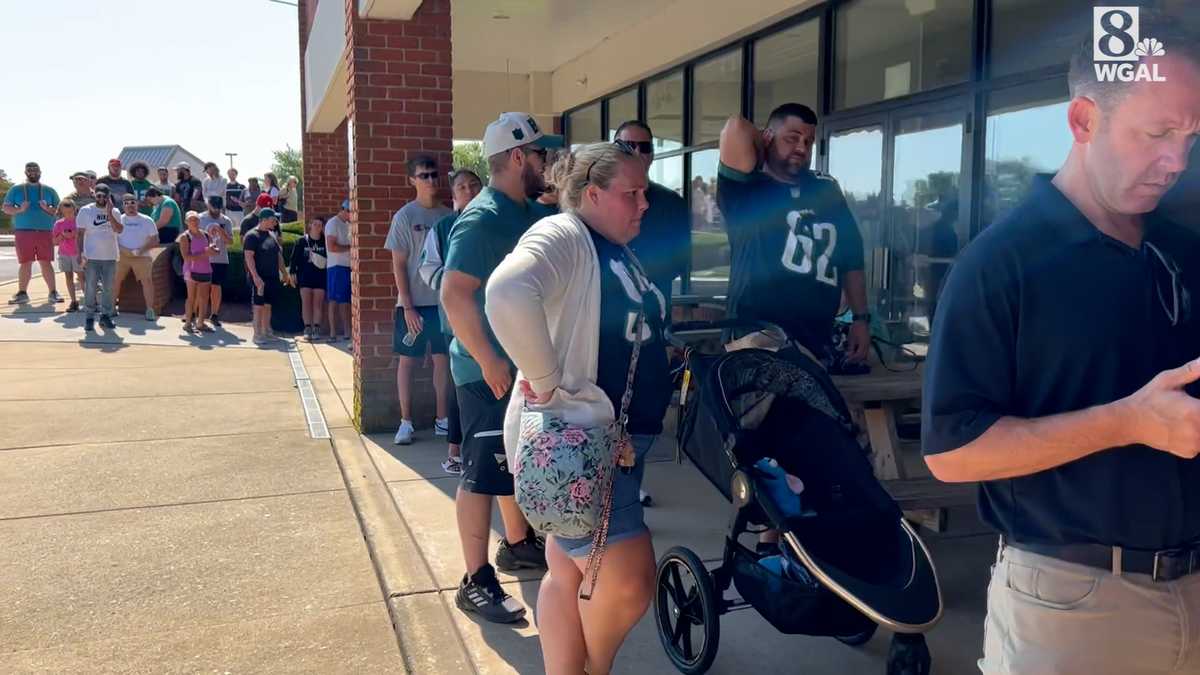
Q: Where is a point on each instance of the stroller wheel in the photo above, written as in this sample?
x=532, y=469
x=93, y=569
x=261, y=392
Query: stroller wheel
x=909, y=655
x=686, y=611
x=858, y=639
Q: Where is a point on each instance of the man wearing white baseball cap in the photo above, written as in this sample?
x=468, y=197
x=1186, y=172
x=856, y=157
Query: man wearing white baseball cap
x=483, y=235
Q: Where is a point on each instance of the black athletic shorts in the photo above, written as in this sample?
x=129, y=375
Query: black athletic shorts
x=485, y=467
x=220, y=271
x=453, y=420
x=431, y=334
x=270, y=295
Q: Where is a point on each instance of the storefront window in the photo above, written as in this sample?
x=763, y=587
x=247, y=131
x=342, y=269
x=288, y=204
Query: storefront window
x=710, y=243
x=664, y=111
x=716, y=94
x=785, y=69
x=583, y=125
x=1026, y=134
x=1019, y=44
x=621, y=108
x=887, y=48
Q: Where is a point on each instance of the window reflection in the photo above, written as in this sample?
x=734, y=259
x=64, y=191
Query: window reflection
x=1026, y=134
x=856, y=161
x=1019, y=44
x=621, y=108
x=925, y=232
x=887, y=48
x=584, y=125
x=785, y=69
x=664, y=111
x=710, y=243
x=716, y=94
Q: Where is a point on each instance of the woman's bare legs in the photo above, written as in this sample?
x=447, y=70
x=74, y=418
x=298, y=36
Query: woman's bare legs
x=561, y=633
x=189, y=307
x=203, y=291
x=576, y=633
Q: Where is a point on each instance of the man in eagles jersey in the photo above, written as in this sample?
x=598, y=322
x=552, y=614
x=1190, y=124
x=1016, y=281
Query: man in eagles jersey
x=795, y=245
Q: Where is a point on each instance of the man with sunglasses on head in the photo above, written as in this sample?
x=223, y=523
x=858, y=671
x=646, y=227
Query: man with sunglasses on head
x=1060, y=377
x=418, y=327
x=483, y=235
x=664, y=245
x=796, y=248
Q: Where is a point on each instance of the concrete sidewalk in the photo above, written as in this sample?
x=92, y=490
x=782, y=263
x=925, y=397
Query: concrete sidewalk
x=187, y=522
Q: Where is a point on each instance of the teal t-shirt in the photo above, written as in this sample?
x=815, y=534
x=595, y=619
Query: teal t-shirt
x=482, y=236
x=35, y=218
x=168, y=203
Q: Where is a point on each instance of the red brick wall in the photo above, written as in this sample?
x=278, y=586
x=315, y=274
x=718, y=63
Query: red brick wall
x=399, y=101
x=326, y=171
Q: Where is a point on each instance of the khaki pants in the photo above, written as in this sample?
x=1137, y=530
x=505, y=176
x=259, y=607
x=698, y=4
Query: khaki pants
x=140, y=265
x=1050, y=617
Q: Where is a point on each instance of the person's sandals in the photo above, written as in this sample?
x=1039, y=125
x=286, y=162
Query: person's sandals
x=453, y=466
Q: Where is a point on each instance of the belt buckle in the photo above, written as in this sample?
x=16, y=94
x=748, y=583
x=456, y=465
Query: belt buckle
x=1174, y=563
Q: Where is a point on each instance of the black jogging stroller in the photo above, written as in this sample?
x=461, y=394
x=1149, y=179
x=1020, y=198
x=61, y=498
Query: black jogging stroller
x=847, y=562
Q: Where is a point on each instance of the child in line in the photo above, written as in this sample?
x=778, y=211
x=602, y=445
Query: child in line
x=308, y=267
x=64, y=235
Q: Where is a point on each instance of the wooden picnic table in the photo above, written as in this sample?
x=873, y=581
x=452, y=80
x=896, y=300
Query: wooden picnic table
x=877, y=401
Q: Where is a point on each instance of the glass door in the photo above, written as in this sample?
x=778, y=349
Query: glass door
x=856, y=154
x=927, y=215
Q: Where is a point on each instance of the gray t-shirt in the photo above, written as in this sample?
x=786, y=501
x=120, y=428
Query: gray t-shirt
x=410, y=226
x=206, y=223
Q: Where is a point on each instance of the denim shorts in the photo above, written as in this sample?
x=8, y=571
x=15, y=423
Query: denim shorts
x=627, y=521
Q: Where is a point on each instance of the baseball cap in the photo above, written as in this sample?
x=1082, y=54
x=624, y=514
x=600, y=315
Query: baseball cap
x=514, y=129
x=346, y=204
x=80, y=174
x=264, y=200
x=114, y=161
x=183, y=165
x=267, y=213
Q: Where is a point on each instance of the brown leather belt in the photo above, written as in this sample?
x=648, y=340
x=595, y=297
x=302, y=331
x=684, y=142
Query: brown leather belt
x=1165, y=565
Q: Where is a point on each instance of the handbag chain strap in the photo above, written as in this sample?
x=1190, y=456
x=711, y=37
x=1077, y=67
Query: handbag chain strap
x=591, y=569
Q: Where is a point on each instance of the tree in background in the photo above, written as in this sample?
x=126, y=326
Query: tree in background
x=289, y=162
x=469, y=155
x=5, y=184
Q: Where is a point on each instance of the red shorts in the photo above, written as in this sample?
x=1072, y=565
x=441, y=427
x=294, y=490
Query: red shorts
x=34, y=245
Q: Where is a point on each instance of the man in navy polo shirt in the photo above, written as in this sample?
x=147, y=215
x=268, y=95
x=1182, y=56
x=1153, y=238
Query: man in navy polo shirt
x=1061, y=350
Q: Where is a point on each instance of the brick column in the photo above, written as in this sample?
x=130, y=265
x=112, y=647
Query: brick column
x=398, y=103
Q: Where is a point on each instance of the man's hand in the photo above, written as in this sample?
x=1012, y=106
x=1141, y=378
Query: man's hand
x=1164, y=416
x=412, y=319
x=497, y=375
x=859, y=344
x=260, y=285
x=532, y=396
x=82, y=262
x=24, y=207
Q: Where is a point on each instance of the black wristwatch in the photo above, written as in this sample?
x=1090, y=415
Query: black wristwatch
x=861, y=317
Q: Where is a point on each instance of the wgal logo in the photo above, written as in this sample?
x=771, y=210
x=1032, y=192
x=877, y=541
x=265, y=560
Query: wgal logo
x=1117, y=47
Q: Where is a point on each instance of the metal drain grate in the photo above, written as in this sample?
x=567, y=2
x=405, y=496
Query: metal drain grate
x=308, y=396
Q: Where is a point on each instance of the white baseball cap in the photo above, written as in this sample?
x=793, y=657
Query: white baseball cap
x=514, y=129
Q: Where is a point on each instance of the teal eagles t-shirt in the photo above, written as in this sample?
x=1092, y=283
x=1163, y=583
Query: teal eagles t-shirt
x=482, y=236
x=35, y=218
x=168, y=203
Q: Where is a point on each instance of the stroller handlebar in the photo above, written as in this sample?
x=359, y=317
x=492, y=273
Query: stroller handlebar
x=674, y=330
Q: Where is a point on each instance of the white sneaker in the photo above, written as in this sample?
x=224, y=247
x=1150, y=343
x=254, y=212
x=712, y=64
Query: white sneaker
x=441, y=427
x=404, y=435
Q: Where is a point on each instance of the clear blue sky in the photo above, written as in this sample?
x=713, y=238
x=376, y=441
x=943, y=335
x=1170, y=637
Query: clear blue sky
x=83, y=79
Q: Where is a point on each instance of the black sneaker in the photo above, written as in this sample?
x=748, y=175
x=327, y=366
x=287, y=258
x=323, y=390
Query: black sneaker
x=107, y=322
x=55, y=297
x=74, y=306
x=19, y=299
x=214, y=320
x=89, y=324
x=529, y=553
x=482, y=594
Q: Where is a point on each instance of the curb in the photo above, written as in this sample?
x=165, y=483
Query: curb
x=401, y=569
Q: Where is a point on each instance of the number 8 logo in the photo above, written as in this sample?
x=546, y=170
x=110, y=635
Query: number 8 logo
x=1114, y=33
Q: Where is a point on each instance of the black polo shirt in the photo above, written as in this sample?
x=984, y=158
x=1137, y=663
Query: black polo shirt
x=1044, y=314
